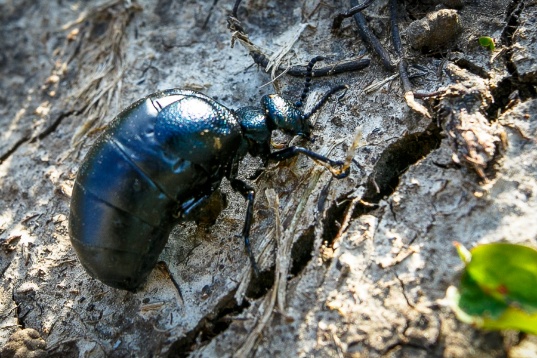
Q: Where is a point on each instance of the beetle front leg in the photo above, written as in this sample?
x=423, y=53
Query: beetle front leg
x=248, y=193
x=330, y=164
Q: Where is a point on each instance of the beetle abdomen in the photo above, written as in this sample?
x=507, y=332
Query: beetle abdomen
x=114, y=246
x=120, y=220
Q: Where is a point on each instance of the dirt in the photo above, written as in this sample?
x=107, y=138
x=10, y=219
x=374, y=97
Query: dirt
x=356, y=267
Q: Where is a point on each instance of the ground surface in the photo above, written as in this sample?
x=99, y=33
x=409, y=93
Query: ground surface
x=369, y=258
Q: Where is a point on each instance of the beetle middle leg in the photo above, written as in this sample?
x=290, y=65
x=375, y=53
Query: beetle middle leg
x=203, y=210
x=207, y=209
x=248, y=193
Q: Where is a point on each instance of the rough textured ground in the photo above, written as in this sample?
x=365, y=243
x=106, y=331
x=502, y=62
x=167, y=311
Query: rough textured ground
x=370, y=256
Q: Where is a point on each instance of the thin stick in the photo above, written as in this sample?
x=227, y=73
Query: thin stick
x=349, y=13
x=370, y=39
x=301, y=71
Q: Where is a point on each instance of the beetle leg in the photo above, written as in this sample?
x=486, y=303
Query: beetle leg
x=205, y=210
x=248, y=193
x=330, y=164
x=189, y=210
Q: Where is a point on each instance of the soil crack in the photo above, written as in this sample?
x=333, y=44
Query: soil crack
x=208, y=327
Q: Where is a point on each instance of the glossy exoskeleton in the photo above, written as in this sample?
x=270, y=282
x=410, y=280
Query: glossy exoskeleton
x=158, y=162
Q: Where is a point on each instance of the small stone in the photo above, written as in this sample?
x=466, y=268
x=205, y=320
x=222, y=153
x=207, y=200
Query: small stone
x=437, y=29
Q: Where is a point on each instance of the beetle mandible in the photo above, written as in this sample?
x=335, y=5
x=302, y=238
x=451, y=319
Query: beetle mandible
x=159, y=161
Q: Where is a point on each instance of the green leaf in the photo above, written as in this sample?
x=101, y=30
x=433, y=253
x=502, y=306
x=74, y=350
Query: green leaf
x=506, y=272
x=513, y=318
x=487, y=42
x=498, y=288
x=475, y=302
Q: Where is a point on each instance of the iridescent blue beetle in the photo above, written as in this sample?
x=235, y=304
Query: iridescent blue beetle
x=159, y=162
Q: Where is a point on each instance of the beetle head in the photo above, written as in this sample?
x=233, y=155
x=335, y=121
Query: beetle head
x=284, y=115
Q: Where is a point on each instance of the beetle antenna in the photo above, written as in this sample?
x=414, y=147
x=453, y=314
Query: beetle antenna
x=309, y=70
x=325, y=99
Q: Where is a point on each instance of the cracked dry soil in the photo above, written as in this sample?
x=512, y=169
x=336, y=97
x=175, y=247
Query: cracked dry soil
x=368, y=258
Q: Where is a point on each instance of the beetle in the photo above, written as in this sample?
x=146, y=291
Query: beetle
x=159, y=161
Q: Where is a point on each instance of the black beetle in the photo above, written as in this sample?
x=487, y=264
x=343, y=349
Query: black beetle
x=159, y=161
